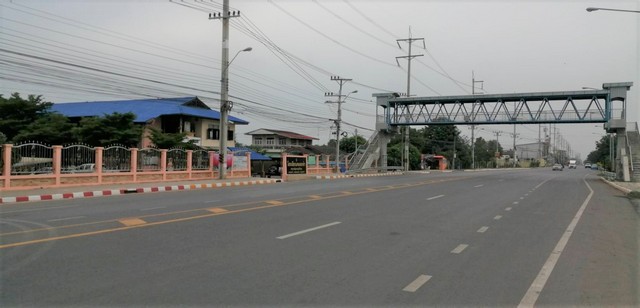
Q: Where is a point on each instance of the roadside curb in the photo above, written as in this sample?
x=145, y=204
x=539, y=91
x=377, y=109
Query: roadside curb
x=333, y=177
x=124, y=191
x=618, y=187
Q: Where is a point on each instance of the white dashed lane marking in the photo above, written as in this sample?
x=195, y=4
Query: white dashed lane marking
x=460, y=248
x=416, y=284
x=435, y=197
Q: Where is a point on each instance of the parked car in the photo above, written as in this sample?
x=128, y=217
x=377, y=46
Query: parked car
x=587, y=165
x=274, y=171
x=594, y=167
x=557, y=167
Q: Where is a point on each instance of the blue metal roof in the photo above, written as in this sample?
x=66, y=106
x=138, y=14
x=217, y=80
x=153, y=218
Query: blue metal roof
x=144, y=109
x=254, y=155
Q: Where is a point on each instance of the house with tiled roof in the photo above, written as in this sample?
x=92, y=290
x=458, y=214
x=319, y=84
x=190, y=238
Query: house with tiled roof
x=171, y=115
x=275, y=139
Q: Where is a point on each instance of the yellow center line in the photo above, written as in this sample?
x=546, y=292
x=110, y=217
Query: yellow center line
x=139, y=223
x=217, y=210
x=128, y=222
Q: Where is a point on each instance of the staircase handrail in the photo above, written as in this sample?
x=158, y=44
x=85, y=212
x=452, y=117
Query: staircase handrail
x=632, y=125
x=370, y=143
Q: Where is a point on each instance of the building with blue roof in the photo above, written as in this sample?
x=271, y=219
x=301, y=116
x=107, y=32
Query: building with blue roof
x=170, y=115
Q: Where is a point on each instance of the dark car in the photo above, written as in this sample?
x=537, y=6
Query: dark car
x=274, y=171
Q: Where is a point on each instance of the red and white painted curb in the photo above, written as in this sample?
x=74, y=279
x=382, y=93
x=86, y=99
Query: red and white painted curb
x=116, y=192
x=332, y=177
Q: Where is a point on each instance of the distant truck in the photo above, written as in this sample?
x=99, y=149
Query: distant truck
x=572, y=164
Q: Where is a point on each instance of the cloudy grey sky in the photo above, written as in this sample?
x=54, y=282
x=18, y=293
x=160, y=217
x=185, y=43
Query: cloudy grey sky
x=513, y=46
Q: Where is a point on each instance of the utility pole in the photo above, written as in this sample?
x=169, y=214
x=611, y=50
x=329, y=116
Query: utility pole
x=473, y=112
x=497, y=148
x=515, y=156
x=410, y=40
x=225, y=105
x=341, y=82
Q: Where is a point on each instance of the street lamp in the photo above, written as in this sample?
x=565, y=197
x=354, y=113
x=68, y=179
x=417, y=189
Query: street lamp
x=591, y=9
x=589, y=88
x=225, y=107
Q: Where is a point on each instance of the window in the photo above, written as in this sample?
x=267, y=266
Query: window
x=213, y=134
x=257, y=141
x=229, y=135
x=282, y=141
x=271, y=141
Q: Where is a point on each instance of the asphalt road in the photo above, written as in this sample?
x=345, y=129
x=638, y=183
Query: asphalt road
x=503, y=238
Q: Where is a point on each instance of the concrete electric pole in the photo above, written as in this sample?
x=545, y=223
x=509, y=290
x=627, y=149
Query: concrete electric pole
x=341, y=82
x=409, y=56
x=473, y=112
x=225, y=105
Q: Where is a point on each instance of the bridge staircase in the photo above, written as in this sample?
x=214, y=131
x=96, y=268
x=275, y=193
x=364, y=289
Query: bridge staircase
x=633, y=140
x=363, y=160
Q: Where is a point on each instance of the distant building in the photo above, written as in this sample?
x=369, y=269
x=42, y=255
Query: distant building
x=170, y=115
x=275, y=142
x=530, y=151
x=274, y=139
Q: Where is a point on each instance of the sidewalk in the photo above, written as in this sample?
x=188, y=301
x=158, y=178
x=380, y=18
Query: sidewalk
x=76, y=192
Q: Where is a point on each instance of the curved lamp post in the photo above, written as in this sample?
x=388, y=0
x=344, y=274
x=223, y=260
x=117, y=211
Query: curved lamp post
x=225, y=107
x=591, y=9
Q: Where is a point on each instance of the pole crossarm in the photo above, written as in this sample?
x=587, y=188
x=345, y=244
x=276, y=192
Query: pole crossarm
x=592, y=106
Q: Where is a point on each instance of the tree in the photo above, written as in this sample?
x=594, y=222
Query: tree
x=17, y=113
x=169, y=140
x=50, y=128
x=116, y=128
x=348, y=144
x=601, y=154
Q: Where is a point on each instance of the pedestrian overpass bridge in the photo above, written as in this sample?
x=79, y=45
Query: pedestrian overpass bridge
x=607, y=106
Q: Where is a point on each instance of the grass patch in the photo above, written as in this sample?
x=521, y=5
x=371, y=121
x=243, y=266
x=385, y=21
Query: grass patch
x=634, y=194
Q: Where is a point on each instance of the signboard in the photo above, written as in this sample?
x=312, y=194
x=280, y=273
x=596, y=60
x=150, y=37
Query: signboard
x=296, y=165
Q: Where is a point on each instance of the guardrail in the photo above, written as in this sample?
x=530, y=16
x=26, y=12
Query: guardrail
x=611, y=176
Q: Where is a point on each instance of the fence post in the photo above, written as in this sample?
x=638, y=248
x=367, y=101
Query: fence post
x=189, y=163
x=134, y=164
x=6, y=167
x=284, y=166
x=211, y=158
x=249, y=163
x=99, y=152
x=163, y=163
x=57, y=163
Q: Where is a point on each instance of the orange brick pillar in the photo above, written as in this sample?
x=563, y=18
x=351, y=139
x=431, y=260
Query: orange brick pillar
x=99, y=152
x=57, y=163
x=134, y=164
x=6, y=167
x=163, y=163
x=189, y=163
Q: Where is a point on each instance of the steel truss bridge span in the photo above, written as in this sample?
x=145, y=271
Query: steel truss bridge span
x=590, y=106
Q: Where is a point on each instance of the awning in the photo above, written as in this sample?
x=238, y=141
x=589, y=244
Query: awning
x=243, y=151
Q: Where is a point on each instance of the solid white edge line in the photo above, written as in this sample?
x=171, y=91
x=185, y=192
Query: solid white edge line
x=538, y=284
x=307, y=230
x=416, y=284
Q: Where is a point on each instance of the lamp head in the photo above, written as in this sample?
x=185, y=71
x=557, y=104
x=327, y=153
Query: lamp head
x=591, y=9
x=247, y=49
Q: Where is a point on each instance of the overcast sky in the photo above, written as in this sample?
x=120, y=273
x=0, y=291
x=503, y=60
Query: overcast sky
x=513, y=46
